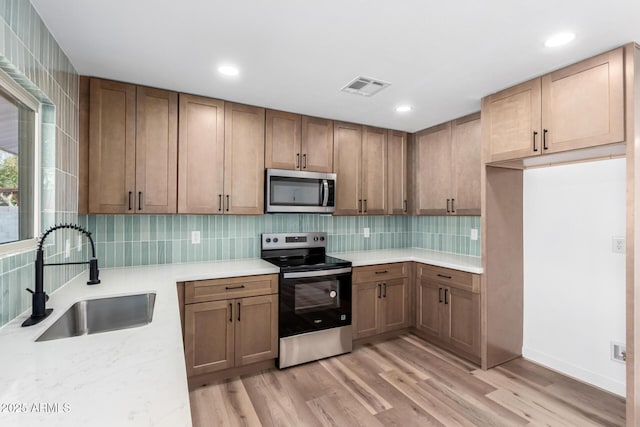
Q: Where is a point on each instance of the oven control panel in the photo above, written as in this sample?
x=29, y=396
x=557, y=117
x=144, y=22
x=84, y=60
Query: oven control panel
x=294, y=240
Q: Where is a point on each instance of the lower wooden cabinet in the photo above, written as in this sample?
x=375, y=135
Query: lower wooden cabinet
x=228, y=333
x=382, y=305
x=448, y=309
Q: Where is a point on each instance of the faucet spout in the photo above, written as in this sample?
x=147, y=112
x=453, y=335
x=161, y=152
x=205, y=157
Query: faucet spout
x=39, y=297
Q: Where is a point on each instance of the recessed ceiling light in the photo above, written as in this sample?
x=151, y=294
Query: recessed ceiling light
x=403, y=108
x=228, y=70
x=559, y=39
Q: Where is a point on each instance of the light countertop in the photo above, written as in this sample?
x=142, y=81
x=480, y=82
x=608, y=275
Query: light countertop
x=469, y=264
x=137, y=376
x=130, y=377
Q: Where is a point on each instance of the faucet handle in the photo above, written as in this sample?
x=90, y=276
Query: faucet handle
x=29, y=290
x=46, y=297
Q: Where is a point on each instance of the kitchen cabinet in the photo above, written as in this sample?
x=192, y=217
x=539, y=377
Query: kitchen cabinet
x=296, y=142
x=397, y=173
x=448, y=168
x=230, y=323
x=133, y=145
x=360, y=162
x=448, y=309
x=221, y=168
x=380, y=299
x=575, y=107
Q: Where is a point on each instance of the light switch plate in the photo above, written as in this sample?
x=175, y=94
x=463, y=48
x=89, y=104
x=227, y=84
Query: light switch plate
x=474, y=234
x=79, y=248
x=67, y=248
x=366, y=232
x=195, y=237
x=618, y=245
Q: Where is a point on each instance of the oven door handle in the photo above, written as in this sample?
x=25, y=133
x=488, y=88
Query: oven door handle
x=317, y=273
x=325, y=192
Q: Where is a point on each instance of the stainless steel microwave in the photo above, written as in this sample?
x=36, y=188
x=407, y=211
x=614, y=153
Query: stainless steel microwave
x=298, y=191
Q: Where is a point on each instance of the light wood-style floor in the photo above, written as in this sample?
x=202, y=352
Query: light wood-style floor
x=404, y=382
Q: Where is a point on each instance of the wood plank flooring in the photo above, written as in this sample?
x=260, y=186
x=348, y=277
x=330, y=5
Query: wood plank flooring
x=404, y=382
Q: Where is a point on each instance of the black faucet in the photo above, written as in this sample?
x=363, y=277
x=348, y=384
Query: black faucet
x=39, y=297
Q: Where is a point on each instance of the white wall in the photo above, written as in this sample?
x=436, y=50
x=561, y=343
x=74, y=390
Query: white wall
x=574, y=286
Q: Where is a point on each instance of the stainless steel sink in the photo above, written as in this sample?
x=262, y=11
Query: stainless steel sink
x=102, y=315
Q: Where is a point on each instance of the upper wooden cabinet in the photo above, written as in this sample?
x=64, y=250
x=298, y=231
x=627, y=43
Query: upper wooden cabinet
x=397, y=173
x=360, y=162
x=576, y=107
x=132, y=148
x=448, y=167
x=296, y=142
x=221, y=166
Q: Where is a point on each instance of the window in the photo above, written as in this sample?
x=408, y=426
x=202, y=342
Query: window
x=19, y=166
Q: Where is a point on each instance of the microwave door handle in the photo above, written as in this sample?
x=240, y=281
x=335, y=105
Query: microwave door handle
x=325, y=192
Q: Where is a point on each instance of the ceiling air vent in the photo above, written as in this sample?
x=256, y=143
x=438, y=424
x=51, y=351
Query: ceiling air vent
x=365, y=86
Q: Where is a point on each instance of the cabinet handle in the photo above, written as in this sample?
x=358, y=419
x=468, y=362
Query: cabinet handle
x=405, y=205
x=227, y=203
x=382, y=272
x=544, y=139
x=453, y=205
x=448, y=210
x=439, y=295
x=379, y=290
x=442, y=275
x=534, y=141
x=365, y=205
x=446, y=301
x=297, y=160
x=445, y=295
x=384, y=295
x=359, y=205
x=230, y=312
x=130, y=194
x=139, y=200
x=304, y=161
x=234, y=287
x=219, y=202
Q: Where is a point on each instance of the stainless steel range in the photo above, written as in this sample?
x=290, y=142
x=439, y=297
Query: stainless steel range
x=314, y=297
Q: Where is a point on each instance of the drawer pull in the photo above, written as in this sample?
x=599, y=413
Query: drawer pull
x=234, y=287
x=442, y=275
x=382, y=272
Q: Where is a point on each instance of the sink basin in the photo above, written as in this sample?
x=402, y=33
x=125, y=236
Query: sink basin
x=101, y=315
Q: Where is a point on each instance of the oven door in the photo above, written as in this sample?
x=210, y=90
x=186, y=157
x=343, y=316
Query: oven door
x=314, y=300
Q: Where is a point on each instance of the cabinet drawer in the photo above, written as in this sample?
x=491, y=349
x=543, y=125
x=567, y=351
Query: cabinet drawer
x=372, y=273
x=454, y=278
x=234, y=287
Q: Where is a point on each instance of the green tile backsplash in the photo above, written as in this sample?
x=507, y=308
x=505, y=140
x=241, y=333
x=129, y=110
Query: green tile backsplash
x=32, y=57
x=128, y=240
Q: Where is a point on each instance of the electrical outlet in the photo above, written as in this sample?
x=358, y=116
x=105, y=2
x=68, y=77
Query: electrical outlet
x=474, y=234
x=618, y=352
x=67, y=248
x=195, y=237
x=618, y=245
x=366, y=232
x=79, y=248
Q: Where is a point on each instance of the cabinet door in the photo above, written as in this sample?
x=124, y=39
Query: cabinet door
x=466, y=165
x=282, y=140
x=395, y=301
x=366, y=314
x=428, y=309
x=112, y=149
x=256, y=333
x=397, y=173
x=156, y=151
x=583, y=104
x=347, y=163
x=433, y=170
x=201, y=155
x=374, y=171
x=243, y=160
x=462, y=310
x=512, y=122
x=208, y=336
x=317, y=144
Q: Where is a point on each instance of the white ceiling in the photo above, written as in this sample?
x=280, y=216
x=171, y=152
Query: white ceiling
x=295, y=55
